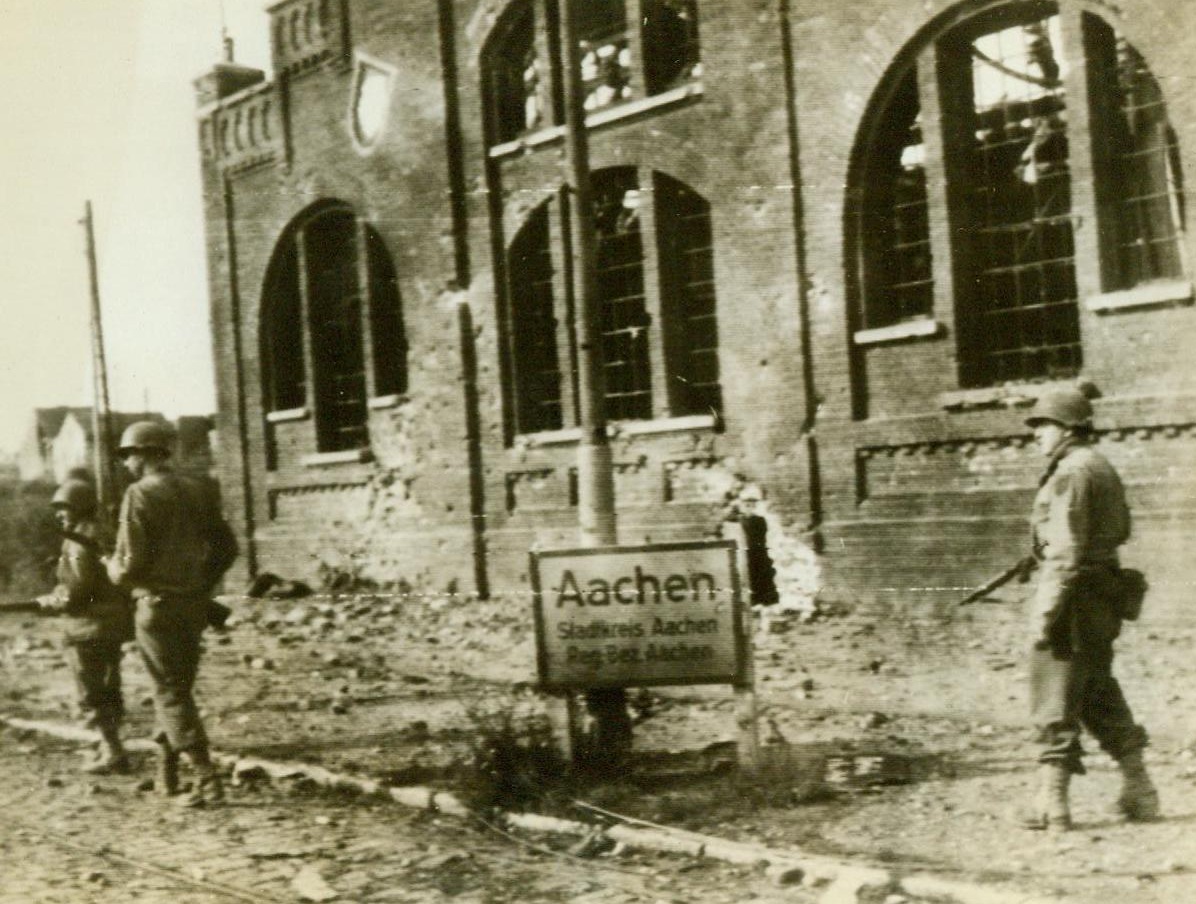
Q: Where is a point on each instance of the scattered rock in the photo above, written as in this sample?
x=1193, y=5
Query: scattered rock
x=299, y=615
x=310, y=885
x=873, y=720
x=248, y=773
x=442, y=860
x=783, y=874
x=593, y=844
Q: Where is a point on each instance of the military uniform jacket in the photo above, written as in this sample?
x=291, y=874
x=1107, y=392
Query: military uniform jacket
x=94, y=608
x=1079, y=519
x=172, y=540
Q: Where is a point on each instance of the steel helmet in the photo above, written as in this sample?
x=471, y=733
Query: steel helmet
x=1068, y=407
x=146, y=435
x=77, y=496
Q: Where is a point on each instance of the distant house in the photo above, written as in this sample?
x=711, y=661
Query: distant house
x=35, y=458
x=64, y=438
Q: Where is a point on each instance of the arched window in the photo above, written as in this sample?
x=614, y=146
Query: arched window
x=387, y=334
x=334, y=319
x=966, y=191
x=537, y=370
x=516, y=88
x=686, y=242
x=896, y=230
x=283, y=378
x=1144, y=188
x=332, y=329
x=658, y=314
x=620, y=278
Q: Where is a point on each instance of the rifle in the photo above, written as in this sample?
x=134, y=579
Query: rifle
x=22, y=606
x=1020, y=569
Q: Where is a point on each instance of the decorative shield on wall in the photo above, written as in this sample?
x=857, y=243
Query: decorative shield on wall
x=372, y=82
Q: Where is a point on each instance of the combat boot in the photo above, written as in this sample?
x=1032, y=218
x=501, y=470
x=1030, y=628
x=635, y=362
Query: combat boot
x=1139, y=800
x=168, y=770
x=208, y=789
x=1051, y=810
x=112, y=760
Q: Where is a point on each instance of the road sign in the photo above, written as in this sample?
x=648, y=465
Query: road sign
x=639, y=616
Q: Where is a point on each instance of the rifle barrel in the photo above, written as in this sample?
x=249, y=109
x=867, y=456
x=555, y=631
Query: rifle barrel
x=993, y=583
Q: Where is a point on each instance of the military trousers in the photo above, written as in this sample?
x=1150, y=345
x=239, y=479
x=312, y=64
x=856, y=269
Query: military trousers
x=1072, y=686
x=95, y=665
x=168, y=633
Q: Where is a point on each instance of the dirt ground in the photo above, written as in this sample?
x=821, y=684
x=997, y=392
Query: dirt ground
x=899, y=739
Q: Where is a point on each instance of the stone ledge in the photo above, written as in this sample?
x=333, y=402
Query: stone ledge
x=617, y=113
x=325, y=459
x=394, y=400
x=1158, y=294
x=898, y=332
x=287, y=414
x=1009, y=395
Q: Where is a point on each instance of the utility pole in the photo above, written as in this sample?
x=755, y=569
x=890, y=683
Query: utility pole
x=101, y=412
x=595, y=472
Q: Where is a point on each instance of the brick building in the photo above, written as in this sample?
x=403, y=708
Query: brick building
x=841, y=249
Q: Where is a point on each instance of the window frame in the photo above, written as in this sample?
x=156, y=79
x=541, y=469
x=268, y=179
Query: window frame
x=540, y=17
x=373, y=300
x=937, y=62
x=665, y=344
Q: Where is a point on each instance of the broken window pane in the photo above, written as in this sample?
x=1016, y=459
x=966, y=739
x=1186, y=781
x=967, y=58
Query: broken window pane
x=686, y=248
x=533, y=326
x=604, y=53
x=282, y=332
x=516, y=75
x=1146, y=175
x=620, y=278
x=335, y=312
x=898, y=281
x=386, y=320
x=1020, y=201
x=671, y=54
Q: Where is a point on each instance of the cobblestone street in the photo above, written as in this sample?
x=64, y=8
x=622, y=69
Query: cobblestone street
x=398, y=691
x=68, y=838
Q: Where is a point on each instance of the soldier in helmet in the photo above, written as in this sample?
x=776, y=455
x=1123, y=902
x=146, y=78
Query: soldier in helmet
x=1079, y=520
x=98, y=619
x=172, y=547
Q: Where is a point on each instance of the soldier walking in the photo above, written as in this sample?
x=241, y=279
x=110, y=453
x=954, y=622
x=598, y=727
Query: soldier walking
x=172, y=547
x=98, y=619
x=1079, y=520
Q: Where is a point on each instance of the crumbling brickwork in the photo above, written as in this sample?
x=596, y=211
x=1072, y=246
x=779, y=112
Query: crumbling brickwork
x=890, y=450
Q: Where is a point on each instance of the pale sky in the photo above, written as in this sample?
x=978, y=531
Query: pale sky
x=96, y=103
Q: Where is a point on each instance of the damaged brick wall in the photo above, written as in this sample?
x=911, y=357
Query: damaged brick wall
x=915, y=484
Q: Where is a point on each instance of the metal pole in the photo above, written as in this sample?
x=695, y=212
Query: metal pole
x=595, y=472
x=595, y=475
x=101, y=412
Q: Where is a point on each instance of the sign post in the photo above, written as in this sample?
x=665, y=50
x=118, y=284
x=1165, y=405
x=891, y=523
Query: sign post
x=597, y=524
x=644, y=616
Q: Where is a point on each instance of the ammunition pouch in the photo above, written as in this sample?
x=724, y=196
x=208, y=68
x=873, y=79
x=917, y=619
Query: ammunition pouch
x=1131, y=590
x=218, y=614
